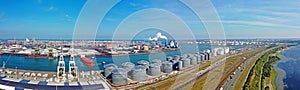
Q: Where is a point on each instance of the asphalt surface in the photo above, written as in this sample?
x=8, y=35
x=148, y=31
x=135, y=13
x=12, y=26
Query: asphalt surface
x=213, y=68
x=229, y=84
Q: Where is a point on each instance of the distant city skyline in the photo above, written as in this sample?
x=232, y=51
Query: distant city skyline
x=56, y=19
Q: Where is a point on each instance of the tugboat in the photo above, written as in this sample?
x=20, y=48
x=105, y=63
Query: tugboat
x=61, y=67
x=72, y=67
x=87, y=61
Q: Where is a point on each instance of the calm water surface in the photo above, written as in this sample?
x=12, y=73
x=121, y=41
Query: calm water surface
x=51, y=64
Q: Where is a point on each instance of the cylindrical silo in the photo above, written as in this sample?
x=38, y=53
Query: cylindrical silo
x=193, y=60
x=189, y=55
x=202, y=57
x=138, y=73
x=108, y=68
x=157, y=61
x=175, y=64
x=119, y=76
x=198, y=58
x=127, y=66
x=185, y=62
x=185, y=55
x=154, y=69
x=167, y=67
x=206, y=56
x=143, y=63
x=176, y=57
x=169, y=58
x=180, y=67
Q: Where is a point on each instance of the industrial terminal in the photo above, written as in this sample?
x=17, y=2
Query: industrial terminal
x=145, y=72
x=89, y=65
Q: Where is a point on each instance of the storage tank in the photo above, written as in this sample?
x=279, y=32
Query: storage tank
x=180, y=67
x=189, y=55
x=169, y=58
x=193, y=60
x=138, y=73
x=119, y=76
x=167, y=67
x=154, y=69
x=175, y=64
x=185, y=62
x=157, y=61
x=185, y=55
x=208, y=56
x=108, y=68
x=127, y=66
x=198, y=58
x=176, y=57
x=143, y=63
x=202, y=57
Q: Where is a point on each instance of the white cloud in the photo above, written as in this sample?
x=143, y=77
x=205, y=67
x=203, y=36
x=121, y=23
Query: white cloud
x=256, y=23
x=67, y=16
x=51, y=8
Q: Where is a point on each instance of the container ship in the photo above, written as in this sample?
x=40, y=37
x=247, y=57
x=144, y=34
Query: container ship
x=87, y=61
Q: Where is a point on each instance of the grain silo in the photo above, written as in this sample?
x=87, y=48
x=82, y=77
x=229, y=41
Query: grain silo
x=119, y=76
x=143, y=63
x=138, y=73
x=154, y=69
x=167, y=67
x=108, y=68
x=127, y=66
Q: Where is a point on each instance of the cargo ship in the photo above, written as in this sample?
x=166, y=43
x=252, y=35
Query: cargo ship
x=87, y=61
x=38, y=56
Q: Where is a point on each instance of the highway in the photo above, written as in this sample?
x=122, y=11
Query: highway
x=214, y=68
x=229, y=84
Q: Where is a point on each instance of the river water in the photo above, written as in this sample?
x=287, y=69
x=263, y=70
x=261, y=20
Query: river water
x=44, y=64
x=288, y=69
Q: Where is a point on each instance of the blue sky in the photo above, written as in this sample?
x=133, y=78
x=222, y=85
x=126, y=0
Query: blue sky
x=240, y=18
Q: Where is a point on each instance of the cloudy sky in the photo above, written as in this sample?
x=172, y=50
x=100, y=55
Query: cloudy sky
x=59, y=18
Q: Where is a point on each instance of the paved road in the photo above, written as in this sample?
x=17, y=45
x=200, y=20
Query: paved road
x=213, y=68
x=229, y=84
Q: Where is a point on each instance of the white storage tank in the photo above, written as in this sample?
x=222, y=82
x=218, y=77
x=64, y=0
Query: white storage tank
x=128, y=66
x=108, y=68
x=167, y=67
x=154, y=69
x=138, y=73
x=119, y=76
x=185, y=62
x=143, y=63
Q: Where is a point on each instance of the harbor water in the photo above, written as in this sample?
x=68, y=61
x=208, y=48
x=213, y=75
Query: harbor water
x=45, y=64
